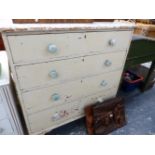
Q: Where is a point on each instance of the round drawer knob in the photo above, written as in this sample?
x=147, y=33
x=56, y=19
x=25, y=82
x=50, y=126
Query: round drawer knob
x=55, y=97
x=104, y=83
x=52, y=48
x=107, y=63
x=1, y=130
x=112, y=42
x=55, y=116
x=53, y=74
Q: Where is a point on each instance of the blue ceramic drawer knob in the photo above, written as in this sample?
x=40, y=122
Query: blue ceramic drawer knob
x=104, y=83
x=55, y=97
x=52, y=48
x=53, y=74
x=107, y=63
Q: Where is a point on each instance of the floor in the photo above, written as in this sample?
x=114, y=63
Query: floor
x=140, y=114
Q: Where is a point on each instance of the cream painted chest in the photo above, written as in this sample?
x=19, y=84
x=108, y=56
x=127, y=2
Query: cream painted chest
x=59, y=69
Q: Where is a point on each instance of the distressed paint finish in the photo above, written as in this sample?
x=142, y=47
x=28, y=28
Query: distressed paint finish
x=30, y=48
x=78, y=83
x=74, y=109
x=41, y=98
x=39, y=75
x=66, y=27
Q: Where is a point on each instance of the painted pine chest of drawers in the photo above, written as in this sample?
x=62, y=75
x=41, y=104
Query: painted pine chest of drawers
x=60, y=69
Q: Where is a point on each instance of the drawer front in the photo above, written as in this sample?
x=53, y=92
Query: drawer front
x=2, y=112
x=68, y=92
x=29, y=48
x=109, y=41
x=56, y=72
x=5, y=127
x=54, y=117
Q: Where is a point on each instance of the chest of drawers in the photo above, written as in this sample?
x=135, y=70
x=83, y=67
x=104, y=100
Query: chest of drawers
x=57, y=72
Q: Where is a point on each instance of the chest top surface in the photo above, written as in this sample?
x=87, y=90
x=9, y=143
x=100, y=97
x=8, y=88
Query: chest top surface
x=10, y=27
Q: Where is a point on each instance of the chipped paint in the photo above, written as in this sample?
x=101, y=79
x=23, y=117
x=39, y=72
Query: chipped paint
x=44, y=27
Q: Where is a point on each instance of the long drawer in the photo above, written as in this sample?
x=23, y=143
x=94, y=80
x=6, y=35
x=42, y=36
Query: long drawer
x=54, y=117
x=68, y=92
x=32, y=48
x=51, y=73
